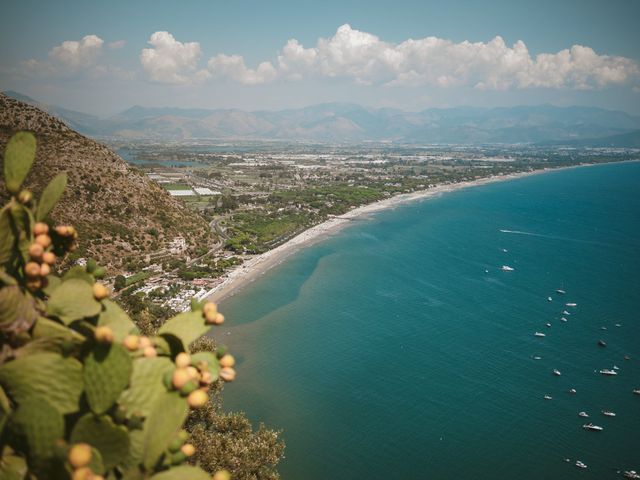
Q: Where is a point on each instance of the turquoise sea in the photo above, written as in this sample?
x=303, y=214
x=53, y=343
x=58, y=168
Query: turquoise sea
x=399, y=349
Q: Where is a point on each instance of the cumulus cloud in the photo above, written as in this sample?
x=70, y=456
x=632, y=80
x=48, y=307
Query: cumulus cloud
x=78, y=54
x=171, y=61
x=117, y=45
x=233, y=67
x=366, y=59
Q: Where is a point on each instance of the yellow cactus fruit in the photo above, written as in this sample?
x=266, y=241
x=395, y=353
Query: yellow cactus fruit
x=32, y=270
x=40, y=228
x=193, y=373
x=210, y=307
x=62, y=230
x=150, y=352
x=131, y=342
x=227, y=374
x=97, y=477
x=36, y=251
x=227, y=361
x=44, y=240
x=100, y=292
x=45, y=269
x=145, y=342
x=188, y=450
x=80, y=455
x=49, y=258
x=83, y=473
x=197, y=399
x=103, y=334
x=206, y=378
x=221, y=475
x=183, y=360
x=25, y=196
x=180, y=378
x=217, y=319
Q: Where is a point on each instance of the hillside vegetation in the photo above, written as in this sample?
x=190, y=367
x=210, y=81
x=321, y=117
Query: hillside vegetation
x=121, y=214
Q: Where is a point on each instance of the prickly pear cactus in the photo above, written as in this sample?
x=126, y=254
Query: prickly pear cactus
x=82, y=394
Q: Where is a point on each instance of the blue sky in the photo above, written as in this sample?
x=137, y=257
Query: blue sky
x=102, y=57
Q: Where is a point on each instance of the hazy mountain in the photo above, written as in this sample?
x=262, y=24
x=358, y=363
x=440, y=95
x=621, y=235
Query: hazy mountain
x=623, y=140
x=118, y=211
x=350, y=123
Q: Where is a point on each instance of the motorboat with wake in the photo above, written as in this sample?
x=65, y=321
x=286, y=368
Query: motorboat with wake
x=606, y=371
x=507, y=268
x=583, y=414
x=592, y=427
x=580, y=464
x=608, y=413
x=539, y=334
x=556, y=372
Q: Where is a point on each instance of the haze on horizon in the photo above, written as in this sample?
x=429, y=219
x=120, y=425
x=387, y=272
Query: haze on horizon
x=103, y=58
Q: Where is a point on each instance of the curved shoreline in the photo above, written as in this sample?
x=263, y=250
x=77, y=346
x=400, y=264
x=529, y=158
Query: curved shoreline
x=250, y=270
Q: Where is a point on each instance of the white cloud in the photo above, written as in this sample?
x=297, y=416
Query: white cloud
x=365, y=59
x=117, y=45
x=78, y=54
x=171, y=61
x=233, y=67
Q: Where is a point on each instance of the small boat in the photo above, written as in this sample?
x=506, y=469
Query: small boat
x=618, y=325
x=538, y=334
x=580, y=464
x=603, y=328
x=505, y=250
x=615, y=367
x=556, y=372
x=572, y=391
x=537, y=358
x=548, y=397
x=571, y=304
x=486, y=271
x=563, y=319
x=627, y=357
x=547, y=325
x=564, y=312
x=583, y=414
x=549, y=299
x=592, y=427
x=507, y=268
x=560, y=291
x=606, y=371
x=631, y=474
x=608, y=413
x=602, y=343
x=637, y=391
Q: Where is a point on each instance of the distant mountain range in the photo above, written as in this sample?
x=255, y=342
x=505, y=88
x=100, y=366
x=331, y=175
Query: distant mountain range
x=351, y=123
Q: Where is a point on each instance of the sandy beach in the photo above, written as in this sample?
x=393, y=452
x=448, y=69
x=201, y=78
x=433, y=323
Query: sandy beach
x=242, y=275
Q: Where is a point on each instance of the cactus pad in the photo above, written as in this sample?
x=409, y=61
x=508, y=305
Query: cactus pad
x=73, y=300
x=18, y=158
x=17, y=309
x=50, y=196
x=145, y=385
x=40, y=424
x=12, y=467
x=46, y=376
x=115, y=318
x=111, y=440
x=182, y=472
x=107, y=369
x=187, y=327
x=163, y=423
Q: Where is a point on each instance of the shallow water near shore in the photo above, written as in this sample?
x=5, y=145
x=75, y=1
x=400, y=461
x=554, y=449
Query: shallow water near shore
x=387, y=350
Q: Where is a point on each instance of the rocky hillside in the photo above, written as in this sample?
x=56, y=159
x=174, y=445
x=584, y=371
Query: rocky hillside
x=123, y=218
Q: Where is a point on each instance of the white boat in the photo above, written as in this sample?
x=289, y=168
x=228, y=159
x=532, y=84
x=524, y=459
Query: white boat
x=538, y=334
x=548, y=397
x=608, y=413
x=618, y=325
x=571, y=304
x=637, y=391
x=572, y=390
x=606, y=371
x=548, y=325
x=583, y=414
x=603, y=328
x=505, y=250
x=631, y=474
x=580, y=464
x=564, y=312
x=615, y=367
x=563, y=319
x=592, y=427
x=556, y=372
x=507, y=268
x=549, y=299
x=537, y=358
x=560, y=291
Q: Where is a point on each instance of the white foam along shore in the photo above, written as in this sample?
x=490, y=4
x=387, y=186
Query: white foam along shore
x=240, y=276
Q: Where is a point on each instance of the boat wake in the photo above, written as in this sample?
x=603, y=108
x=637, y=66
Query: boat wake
x=551, y=237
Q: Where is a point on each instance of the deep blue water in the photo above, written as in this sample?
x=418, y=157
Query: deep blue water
x=387, y=351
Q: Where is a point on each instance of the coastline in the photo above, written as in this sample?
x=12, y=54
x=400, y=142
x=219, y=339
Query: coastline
x=250, y=270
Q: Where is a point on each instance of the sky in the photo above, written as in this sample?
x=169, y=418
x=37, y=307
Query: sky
x=104, y=57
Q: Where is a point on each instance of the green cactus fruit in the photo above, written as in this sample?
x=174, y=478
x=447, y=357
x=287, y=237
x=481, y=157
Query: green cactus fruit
x=73, y=300
x=187, y=327
x=188, y=388
x=221, y=351
x=46, y=376
x=107, y=370
x=182, y=472
x=99, y=272
x=111, y=440
x=165, y=420
x=120, y=415
x=175, y=444
x=91, y=265
x=41, y=425
x=145, y=384
x=178, y=458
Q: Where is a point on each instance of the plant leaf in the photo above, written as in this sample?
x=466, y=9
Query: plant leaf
x=111, y=440
x=107, y=369
x=7, y=238
x=18, y=158
x=165, y=420
x=117, y=319
x=145, y=385
x=187, y=326
x=182, y=472
x=50, y=196
x=73, y=300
